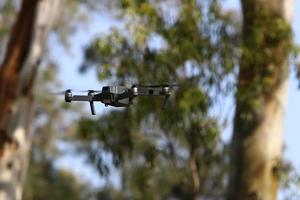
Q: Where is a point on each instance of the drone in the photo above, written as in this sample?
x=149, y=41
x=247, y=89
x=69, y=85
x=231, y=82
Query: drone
x=120, y=96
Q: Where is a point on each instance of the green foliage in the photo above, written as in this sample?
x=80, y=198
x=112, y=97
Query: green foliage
x=153, y=147
x=267, y=43
x=296, y=61
x=46, y=182
x=7, y=15
x=289, y=178
x=108, y=193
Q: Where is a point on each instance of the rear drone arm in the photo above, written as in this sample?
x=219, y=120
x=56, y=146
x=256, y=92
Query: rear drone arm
x=155, y=91
x=152, y=91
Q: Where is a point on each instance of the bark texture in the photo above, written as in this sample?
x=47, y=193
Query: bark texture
x=17, y=52
x=195, y=177
x=17, y=75
x=260, y=100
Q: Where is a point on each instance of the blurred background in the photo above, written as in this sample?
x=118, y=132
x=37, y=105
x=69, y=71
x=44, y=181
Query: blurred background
x=140, y=152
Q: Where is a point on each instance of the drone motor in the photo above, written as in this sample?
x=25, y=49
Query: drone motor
x=68, y=96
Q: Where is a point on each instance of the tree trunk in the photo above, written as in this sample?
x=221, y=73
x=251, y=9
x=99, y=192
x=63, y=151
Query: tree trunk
x=17, y=75
x=195, y=177
x=260, y=100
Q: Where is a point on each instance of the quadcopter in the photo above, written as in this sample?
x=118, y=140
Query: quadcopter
x=119, y=96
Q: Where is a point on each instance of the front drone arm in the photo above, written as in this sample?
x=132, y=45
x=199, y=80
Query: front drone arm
x=90, y=98
x=149, y=91
x=81, y=98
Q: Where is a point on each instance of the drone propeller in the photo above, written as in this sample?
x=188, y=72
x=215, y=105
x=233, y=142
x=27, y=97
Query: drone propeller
x=97, y=91
x=70, y=90
x=61, y=92
x=58, y=93
x=161, y=85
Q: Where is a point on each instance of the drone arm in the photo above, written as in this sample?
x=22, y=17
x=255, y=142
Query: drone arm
x=148, y=91
x=85, y=98
x=80, y=98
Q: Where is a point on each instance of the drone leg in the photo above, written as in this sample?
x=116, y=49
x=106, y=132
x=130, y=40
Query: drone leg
x=165, y=102
x=92, y=108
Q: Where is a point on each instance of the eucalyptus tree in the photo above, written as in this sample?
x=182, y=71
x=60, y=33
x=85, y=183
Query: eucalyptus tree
x=261, y=99
x=47, y=125
x=21, y=59
x=196, y=43
x=175, y=152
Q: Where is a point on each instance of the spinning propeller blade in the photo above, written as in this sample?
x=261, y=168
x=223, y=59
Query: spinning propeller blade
x=161, y=85
x=64, y=91
x=58, y=93
x=61, y=92
x=97, y=91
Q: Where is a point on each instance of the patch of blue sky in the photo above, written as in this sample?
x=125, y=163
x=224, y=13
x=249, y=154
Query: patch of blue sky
x=69, y=62
x=292, y=125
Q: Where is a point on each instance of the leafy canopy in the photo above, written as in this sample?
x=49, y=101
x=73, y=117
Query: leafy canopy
x=188, y=42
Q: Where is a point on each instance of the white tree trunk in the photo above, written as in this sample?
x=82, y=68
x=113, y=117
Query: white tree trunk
x=264, y=148
x=257, y=149
x=14, y=161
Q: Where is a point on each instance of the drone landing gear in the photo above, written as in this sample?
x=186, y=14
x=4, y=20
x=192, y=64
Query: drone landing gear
x=91, y=95
x=92, y=108
x=164, y=105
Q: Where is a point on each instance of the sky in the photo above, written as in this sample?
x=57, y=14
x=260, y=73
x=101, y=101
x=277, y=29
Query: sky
x=69, y=63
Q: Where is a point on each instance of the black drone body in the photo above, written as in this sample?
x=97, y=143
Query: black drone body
x=119, y=96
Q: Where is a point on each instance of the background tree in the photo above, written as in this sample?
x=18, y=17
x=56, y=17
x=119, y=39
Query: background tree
x=190, y=52
x=175, y=152
x=44, y=180
x=260, y=100
x=23, y=49
x=17, y=74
